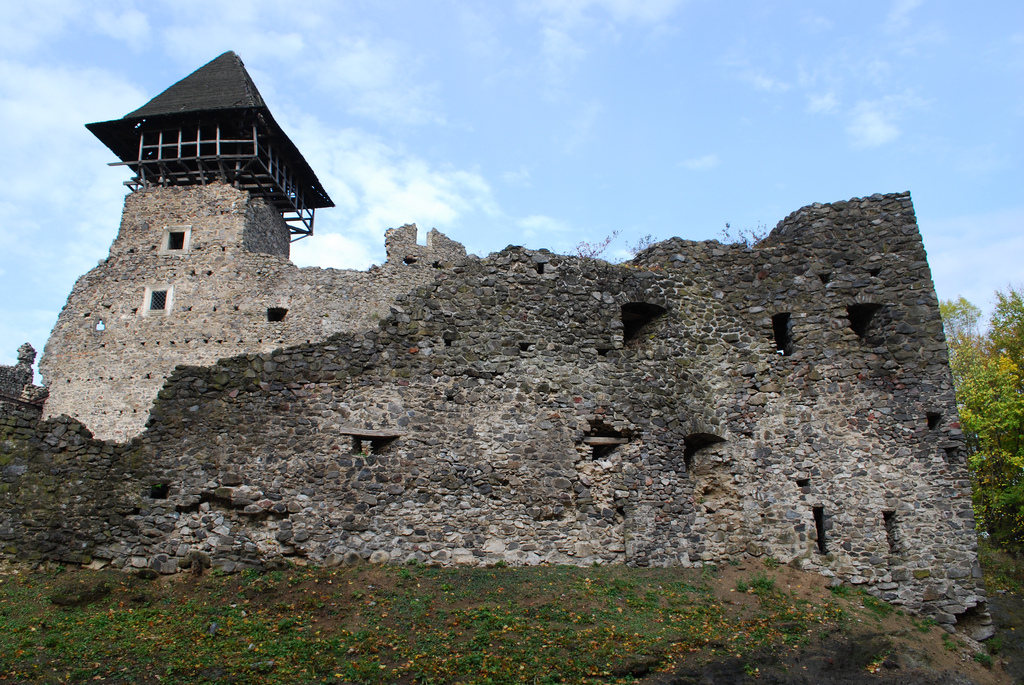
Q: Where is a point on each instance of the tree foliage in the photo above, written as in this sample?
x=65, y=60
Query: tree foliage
x=988, y=371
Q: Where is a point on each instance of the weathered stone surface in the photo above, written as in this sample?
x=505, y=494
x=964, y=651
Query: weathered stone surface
x=581, y=412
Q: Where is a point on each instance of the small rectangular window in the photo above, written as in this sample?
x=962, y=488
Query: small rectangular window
x=276, y=313
x=175, y=240
x=819, y=528
x=158, y=299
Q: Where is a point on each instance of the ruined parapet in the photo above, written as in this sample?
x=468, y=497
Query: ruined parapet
x=402, y=247
x=17, y=392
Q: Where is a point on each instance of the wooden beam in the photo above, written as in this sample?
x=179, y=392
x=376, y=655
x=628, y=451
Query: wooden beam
x=599, y=440
x=369, y=434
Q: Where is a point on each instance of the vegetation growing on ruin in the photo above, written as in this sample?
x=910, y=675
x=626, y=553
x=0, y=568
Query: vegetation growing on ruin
x=988, y=371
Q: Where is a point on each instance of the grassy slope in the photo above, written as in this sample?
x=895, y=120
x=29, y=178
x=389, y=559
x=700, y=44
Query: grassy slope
x=431, y=625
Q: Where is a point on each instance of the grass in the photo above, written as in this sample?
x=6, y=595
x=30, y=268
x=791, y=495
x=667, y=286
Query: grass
x=386, y=624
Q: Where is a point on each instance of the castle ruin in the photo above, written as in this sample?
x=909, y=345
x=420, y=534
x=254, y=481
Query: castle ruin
x=700, y=403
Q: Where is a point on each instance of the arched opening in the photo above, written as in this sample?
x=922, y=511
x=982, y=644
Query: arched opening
x=636, y=316
x=781, y=329
x=695, y=442
x=860, y=316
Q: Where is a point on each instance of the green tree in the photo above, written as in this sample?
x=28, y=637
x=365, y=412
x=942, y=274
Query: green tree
x=988, y=371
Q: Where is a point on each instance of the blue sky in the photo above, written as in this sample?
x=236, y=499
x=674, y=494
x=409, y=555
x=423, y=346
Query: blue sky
x=536, y=122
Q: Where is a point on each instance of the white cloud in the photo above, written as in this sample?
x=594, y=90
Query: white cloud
x=26, y=25
x=816, y=24
x=641, y=11
x=873, y=122
x=520, y=177
x=871, y=126
x=130, y=26
x=375, y=187
x=373, y=79
x=761, y=81
x=562, y=22
x=700, y=163
x=51, y=161
x=899, y=14
x=826, y=103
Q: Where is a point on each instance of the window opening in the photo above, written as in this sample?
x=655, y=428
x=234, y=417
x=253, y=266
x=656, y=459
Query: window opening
x=803, y=482
x=176, y=240
x=410, y=259
x=860, y=316
x=781, y=328
x=934, y=418
x=100, y=326
x=952, y=455
x=603, y=439
x=889, y=519
x=540, y=267
x=824, y=278
x=159, y=491
x=526, y=346
x=157, y=300
x=636, y=316
x=276, y=313
x=819, y=527
x=874, y=272
x=603, y=351
x=449, y=337
x=695, y=442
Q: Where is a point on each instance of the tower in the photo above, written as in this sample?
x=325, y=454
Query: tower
x=199, y=270
x=213, y=125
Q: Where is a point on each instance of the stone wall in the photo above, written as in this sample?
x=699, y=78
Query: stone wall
x=229, y=290
x=13, y=379
x=704, y=402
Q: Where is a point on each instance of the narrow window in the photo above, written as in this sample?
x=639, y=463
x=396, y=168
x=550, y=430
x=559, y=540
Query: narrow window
x=860, y=316
x=636, y=316
x=158, y=491
x=100, y=326
x=695, y=442
x=934, y=418
x=824, y=278
x=176, y=240
x=157, y=300
x=803, y=482
x=540, y=267
x=525, y=346
x=889, y=518
x=819, y=527
x=276, y=313
x=952, y=455
x=781, y=329
x=409, y=259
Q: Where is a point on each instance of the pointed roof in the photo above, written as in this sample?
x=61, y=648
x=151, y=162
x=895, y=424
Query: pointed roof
x=220, y=90
x=220, y=84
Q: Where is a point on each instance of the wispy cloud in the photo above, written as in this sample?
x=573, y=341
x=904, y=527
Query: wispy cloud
x=520, y=177
x=376, y=186
x=874, y=122
x=825, y=103
x=762, y=81
x=700, y=163
x=130, y=26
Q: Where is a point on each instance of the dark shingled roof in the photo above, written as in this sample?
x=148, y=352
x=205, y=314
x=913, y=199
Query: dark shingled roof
x=221, y=90
x=222, y=84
